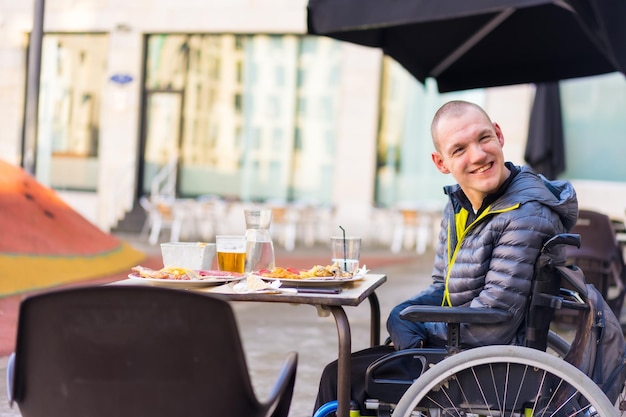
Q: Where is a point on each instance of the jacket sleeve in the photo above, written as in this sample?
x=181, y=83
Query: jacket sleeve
x=439, y=266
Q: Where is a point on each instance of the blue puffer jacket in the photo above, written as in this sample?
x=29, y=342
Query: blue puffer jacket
x=490, y=263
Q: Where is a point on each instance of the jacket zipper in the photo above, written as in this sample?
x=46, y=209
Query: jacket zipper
x=453, y=254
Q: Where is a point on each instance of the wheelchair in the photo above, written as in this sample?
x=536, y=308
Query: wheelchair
x=498, y=380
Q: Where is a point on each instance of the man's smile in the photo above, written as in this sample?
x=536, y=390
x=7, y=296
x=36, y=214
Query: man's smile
x=483, y=168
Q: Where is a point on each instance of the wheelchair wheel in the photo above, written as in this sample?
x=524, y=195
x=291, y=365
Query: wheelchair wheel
x=504, y=380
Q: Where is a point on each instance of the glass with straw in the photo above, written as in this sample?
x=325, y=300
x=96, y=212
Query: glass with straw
x=346, y=251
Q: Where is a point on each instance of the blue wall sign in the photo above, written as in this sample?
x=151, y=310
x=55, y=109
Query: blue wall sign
x=121, y=78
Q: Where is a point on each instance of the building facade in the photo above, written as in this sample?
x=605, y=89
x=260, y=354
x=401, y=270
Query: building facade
x=248, y=107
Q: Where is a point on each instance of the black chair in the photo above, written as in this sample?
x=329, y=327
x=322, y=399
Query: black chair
x=119, y=351
x=600, y=256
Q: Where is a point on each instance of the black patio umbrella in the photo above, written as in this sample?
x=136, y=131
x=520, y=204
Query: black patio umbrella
x=545, y=149
x=483, y=43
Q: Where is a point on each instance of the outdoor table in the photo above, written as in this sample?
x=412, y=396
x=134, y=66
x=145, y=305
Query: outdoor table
x=352, y=294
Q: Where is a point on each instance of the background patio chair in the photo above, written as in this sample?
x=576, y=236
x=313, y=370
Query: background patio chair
x=601, y=259
x=135, y=351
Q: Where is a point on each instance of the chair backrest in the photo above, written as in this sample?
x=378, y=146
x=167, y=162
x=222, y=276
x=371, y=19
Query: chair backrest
x=600, y=256
x=131, y=351
x=597, y=234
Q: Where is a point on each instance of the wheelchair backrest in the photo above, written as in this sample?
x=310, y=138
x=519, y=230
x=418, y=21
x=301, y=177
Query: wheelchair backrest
x=546, y=295
x=598, y=348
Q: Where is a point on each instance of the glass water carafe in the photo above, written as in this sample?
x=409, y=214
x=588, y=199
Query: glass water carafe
x=259, y=246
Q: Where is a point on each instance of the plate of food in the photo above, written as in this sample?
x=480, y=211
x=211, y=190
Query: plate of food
x=176, y=277
x=330, y=275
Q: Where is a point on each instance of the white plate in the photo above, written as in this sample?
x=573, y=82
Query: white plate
x=207, y=281
x=313, y=282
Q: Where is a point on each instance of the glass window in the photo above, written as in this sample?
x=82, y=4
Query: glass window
x=216, y=139
x=300, y=77
x=167, y=61
x=255, y=142
x=239, y=118
x=273, y=107
x=277, y=142
x=319, y=58
x=302, y=106
x=68, y=132
x=297, y=145
x=276, y=41
x=162, y=135
x=280, y=77
x=594, y=122
x=239, y=72
x=238, y=104
x=240, y=41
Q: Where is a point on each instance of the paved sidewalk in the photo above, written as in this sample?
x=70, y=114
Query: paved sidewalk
x=270, y=330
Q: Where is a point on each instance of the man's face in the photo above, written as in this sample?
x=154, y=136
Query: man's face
x=470, y=148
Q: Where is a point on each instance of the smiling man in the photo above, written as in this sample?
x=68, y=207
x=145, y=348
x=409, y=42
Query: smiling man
x=495, y=222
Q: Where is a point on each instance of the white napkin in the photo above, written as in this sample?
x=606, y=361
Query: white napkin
x=361, y=272
x=253, y=283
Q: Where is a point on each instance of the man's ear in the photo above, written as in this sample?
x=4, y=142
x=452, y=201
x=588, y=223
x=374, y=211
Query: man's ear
x=499, y=134
x=438, y=161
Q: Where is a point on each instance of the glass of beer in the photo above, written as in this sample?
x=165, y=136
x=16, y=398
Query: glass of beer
x=231, y=253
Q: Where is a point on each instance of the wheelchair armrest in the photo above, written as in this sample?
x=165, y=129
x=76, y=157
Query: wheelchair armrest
x=472, y=315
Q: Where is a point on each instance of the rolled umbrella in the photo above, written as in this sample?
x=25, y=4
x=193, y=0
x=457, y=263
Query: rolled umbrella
x=545, y=147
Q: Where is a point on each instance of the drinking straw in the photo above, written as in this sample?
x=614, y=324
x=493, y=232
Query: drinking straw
x=345, y=263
